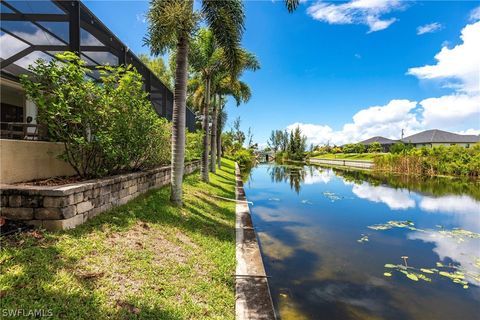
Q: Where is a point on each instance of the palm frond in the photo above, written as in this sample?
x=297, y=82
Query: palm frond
x=226, y=19
x=292, y=5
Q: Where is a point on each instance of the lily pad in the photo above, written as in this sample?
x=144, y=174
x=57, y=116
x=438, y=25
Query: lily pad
x=426, y=270
x=412, y=276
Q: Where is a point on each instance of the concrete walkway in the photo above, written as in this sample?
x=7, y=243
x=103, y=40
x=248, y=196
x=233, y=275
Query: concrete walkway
x=364, y=164
x=252, y=294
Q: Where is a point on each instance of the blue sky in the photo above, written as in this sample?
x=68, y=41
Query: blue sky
x=340, y=70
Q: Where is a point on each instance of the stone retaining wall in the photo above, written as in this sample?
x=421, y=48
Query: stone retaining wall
x=67, y=206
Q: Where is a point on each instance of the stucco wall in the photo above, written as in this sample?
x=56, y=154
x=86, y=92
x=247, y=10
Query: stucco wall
x=28, y=160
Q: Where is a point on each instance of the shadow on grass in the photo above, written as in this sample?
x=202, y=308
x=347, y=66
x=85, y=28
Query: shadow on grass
x=36, y=271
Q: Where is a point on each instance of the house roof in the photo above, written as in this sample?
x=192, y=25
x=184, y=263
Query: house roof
x=440, y=136
x=381, y=140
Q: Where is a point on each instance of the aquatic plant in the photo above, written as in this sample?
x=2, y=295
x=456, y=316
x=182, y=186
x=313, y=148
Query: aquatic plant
x=456, y=233
x=394, y=224
x=455, y=273
x=363, y=239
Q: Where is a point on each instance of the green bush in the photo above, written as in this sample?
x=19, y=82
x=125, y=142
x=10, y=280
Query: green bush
x=106, y=128
x=353, y=148
x=397, y=147
x=193, y=148
x=375, y=147
x=245, y=158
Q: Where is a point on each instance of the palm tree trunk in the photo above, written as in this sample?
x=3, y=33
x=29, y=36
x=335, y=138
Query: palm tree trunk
x=178, y=121
x=213, y=147
x=219, y=134
x=205, y=164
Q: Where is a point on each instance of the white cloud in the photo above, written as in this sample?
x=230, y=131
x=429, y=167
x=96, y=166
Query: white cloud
x=456, y=108
x=458, y=111
x=474, y=132
x=387, y=120
x=459, y=66
x=475, y=14
x=367, y=12
x=429, y=28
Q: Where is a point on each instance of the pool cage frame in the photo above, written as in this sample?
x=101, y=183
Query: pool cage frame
x=80, y=21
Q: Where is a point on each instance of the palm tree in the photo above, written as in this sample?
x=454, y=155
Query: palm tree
x=172, y=24
x=226, y=84
x=206, y=59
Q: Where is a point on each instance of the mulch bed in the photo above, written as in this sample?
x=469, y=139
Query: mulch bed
x=55, y=181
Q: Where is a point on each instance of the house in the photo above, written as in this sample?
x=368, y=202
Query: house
x=435, y=137
x=39, y=29
x=384, y=142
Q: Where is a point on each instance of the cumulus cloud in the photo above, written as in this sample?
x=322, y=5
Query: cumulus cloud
x=458, y=111
x=429, y=28
x=387, y=120
x=459, y=67
x=456, y=108
x=475, y=14
x=367, y=12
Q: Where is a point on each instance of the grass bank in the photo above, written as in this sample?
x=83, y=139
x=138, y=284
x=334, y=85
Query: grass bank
x=348, y=156
x=143, y=260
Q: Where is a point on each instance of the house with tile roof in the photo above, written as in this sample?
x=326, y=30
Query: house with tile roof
x=435, y=137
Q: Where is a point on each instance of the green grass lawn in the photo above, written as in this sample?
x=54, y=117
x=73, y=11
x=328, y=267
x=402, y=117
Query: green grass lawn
x=144, y=260
x=348, y=156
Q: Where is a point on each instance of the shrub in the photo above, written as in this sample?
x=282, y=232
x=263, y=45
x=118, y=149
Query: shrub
x=193, y=148
x=375, y=147
x=106, y=128
x=397, y=147
x=244, y=158
x=439, y=160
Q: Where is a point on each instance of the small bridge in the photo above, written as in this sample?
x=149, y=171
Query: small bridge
x=264, y=156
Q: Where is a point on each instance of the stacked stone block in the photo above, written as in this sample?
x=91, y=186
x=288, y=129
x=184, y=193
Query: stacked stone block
x=67, y=206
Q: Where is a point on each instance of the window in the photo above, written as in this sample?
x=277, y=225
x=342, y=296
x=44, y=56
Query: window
x=12, y=110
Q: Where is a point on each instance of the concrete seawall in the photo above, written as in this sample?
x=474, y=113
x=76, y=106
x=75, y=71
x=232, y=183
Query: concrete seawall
x=252, y=293
x=364, y=164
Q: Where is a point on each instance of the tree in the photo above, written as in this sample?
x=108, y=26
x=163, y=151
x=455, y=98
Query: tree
x=158, y=67
x=213, y=80
x=375, y=147
x=205, y=59
x=359, y=148
x=238, y=134
x=172, y=24
x=226, y=84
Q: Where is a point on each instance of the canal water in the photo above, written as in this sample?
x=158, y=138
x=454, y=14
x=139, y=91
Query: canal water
x=350, y=245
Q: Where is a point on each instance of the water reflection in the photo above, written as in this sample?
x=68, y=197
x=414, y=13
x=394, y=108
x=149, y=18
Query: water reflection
x=395, y=199
x=318, y=269
x=294, y=175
